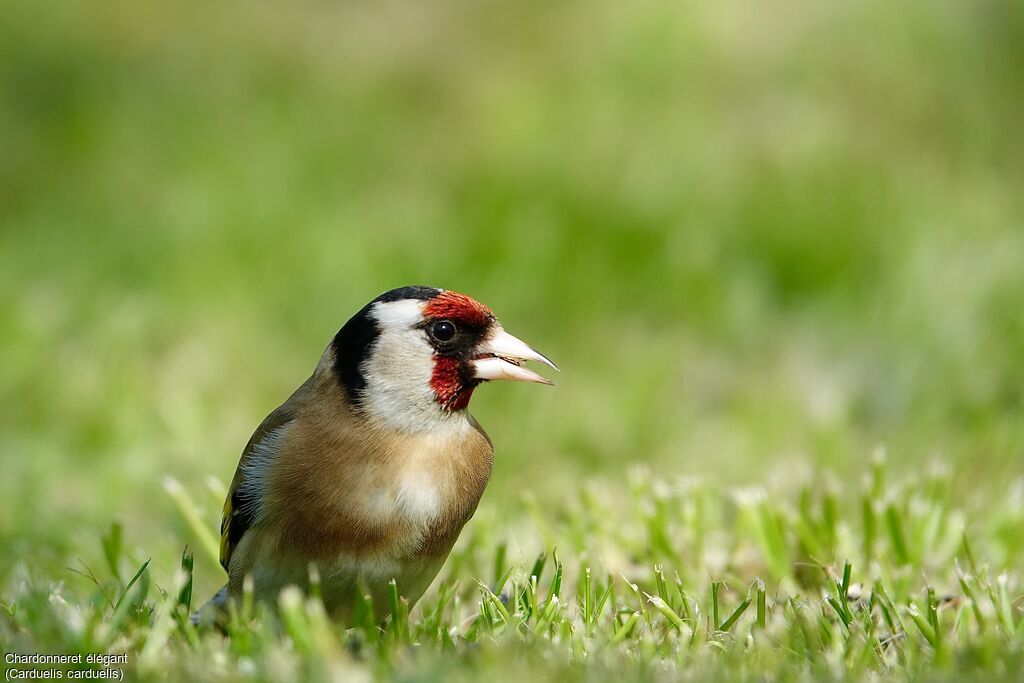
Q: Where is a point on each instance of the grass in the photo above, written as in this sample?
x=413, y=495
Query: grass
x=660, y=579
x=758, y=243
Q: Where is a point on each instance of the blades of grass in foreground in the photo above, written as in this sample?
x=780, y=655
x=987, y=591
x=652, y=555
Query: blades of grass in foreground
x=111, y=542
x=623, y=631
x=190, y=512
x=762, y=605
x=897, y=537
x=185, y=592
x=823, y=625
x=666, y=611
x=731, y=620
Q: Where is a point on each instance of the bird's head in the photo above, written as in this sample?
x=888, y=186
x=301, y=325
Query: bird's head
x=414, y=355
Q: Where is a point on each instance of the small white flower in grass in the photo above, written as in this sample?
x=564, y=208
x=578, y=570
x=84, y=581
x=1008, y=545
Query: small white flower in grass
x=221, y=661
x=749, y=496
x=1015, y=498
x=280, y=663
x=70, y=615
x=661, y=489
x=290, y=598
x=686, y=484
x=920, y=507
x=247, y=667
x=171, y=485
x=343, y=670
x=216, y=487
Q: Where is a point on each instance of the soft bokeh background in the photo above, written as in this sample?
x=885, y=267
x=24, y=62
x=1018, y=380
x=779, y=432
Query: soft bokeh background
x=757, y=239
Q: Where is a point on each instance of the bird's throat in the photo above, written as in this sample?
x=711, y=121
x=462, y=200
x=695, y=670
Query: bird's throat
x=453, y=383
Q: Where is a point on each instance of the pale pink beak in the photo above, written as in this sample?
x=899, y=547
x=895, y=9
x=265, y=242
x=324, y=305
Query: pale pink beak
x=499, y=357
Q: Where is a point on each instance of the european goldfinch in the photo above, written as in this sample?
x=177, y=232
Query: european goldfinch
x=369, y=471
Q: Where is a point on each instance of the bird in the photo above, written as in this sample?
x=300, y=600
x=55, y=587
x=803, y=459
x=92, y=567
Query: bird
x=369, y=471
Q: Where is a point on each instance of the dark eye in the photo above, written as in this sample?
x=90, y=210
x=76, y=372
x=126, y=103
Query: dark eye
x=443, y=330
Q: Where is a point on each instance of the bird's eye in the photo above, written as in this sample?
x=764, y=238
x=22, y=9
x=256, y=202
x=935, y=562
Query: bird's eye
x=443, y=330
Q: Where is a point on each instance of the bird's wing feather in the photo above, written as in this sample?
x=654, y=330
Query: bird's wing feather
x=238, y=515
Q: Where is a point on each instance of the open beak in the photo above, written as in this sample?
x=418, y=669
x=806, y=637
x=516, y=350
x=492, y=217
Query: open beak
x=500, y=356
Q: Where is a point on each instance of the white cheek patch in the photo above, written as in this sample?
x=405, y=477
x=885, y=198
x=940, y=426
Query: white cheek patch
x=397, y=373
x=399, y=369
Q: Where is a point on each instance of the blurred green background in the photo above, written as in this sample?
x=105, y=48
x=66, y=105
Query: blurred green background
x=756, y=238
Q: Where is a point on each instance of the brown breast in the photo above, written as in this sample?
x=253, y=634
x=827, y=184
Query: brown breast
x=342, y=487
